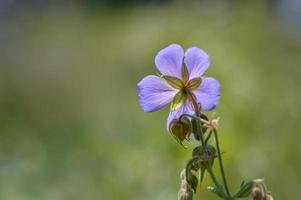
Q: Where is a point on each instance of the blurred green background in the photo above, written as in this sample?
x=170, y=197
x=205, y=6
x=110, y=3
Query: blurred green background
x=70, y=122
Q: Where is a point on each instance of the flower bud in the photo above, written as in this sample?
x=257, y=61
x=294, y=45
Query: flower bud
x=186, y=189
x=257, y=194
x=205, y=157
x=185, y=194
x=199, y=151
x=258, y=191
x=180, y=129
x=269, y=197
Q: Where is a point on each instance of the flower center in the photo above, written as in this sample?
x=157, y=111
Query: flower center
x=185, y=89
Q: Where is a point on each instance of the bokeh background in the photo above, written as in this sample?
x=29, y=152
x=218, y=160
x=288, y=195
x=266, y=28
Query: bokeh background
x=70, y=122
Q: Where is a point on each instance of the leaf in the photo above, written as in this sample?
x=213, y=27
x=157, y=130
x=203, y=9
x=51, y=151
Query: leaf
x=245, y=190
x=173, y=81
x=179, y=100
x=242, y=184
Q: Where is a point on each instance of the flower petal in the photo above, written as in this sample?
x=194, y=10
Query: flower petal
x=208, y=94
x=177, y=113
x=169, y=60
x=197, y=62
x=154, y=93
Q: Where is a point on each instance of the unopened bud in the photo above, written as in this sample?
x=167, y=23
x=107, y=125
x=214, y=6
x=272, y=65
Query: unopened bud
x=186, y=189
x=185, y=195
x=257, y=194
x=180, y=129
x=205, y=157
x=258, y=191
x=269, y=197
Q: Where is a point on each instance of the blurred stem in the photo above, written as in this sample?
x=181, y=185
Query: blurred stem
x=221, y=164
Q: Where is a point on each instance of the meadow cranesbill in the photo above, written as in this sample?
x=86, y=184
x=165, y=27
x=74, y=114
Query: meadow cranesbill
x=181, y=83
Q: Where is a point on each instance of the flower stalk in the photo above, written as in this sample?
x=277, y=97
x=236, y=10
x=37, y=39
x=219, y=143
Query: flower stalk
x=220, y=161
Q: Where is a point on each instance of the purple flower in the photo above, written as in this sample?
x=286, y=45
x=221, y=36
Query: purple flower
x=182, y=83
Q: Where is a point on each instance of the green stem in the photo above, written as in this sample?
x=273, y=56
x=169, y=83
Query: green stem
x=188, y=166
x=209, y=168
x=200, y=130
x=201, y=177
x=214, y=179
x=221, y=164
x=208, y=137
x=194, y=117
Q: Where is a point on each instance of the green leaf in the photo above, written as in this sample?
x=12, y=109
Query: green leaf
x=245, y=190
x=173, y=82
x=242, y=184
x=179, y=100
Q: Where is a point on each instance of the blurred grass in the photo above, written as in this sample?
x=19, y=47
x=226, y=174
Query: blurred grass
x=70, y=122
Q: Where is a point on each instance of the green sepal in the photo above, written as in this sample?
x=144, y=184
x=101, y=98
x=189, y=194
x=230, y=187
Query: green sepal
x=173, y=81
x=185, y=73
x=180, y=130
x=245, y=190
x=202, y=175
x=194, y=84
x=199, y=151
x=179, y=100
